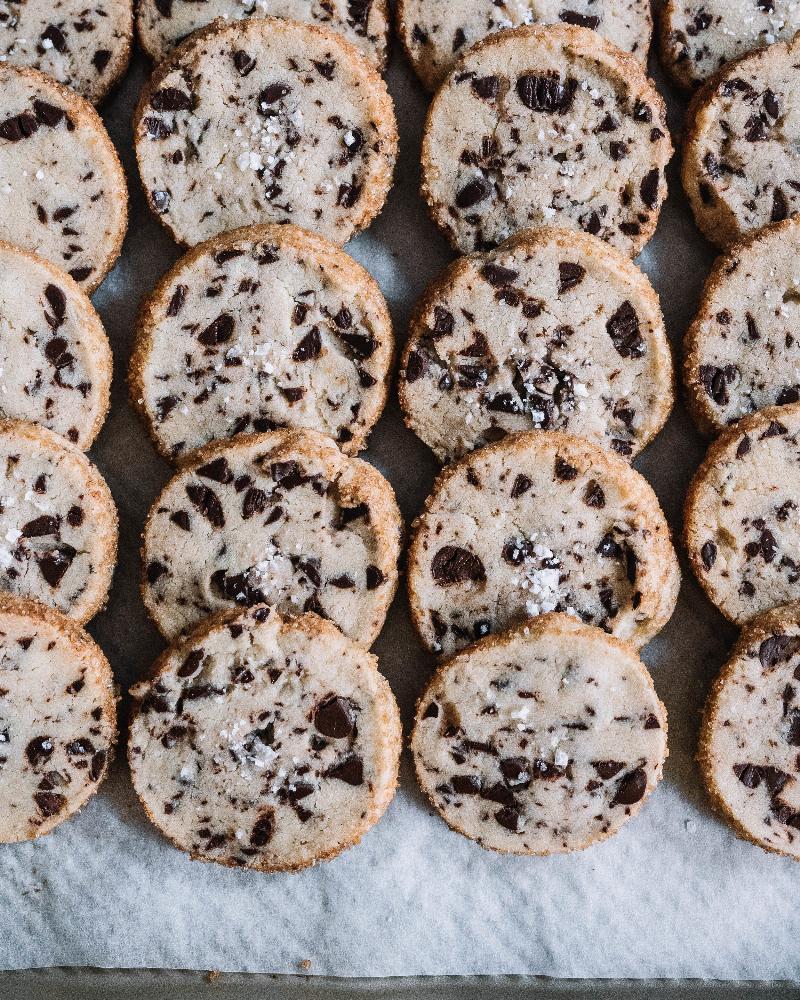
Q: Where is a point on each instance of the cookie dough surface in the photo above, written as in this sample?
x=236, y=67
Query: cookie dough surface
x=57, y=719
x=274, y=327
x=62, y=189
x=265, y=120
x=554, y=330
x=436, y=32
x=265, y=744
x=542, y=740
x=283, y=519
x=540, y=522
x=546, y=126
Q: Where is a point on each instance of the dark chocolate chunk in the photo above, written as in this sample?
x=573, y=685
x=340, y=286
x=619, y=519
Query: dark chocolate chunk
x=453, y=565
x=623, y=328
x=335, y=717
x=631, y=789
x=546, y=92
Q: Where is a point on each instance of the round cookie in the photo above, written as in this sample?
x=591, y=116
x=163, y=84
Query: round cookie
x=540, y=522
x=542, y=740
x=436, y=32
x=274, y=327
x=742, y=352
x=741, y=168
x=57, y=719
x=265, y=121
x=283, y=519
x=58, y=522
x=697, y=37
x=62, y=190
x=284, y=731
x=554, y=330
x=85, y=47
x=55, y=359
x=161, y=24
x=546, y=126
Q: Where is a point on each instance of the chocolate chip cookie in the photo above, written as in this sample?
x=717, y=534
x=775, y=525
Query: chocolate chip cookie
x=55, y=360
x=540, y=522
x=283, y=519
x=273, y=327
x=265, y=120
x=750, y=742
x=546, y=126
x=57, y=719
x=553, y=330
x=264, y=743
x=544, y=739
x=62, y=189
x=436, y=32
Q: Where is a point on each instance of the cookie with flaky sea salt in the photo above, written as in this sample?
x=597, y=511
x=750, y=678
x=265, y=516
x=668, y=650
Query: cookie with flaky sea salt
x=743, y=512
x=265, y=120
x=546, y=126
x=741, y=164
x=540, y=522
x=283, y=519
x=553, y=330
x=436, y=32
x=57, y=718
x=55, y=360
x=544, y=739
x=86, y=47
x=161, y=24
x=265, y=327
x=62, y=190
x=265, y=743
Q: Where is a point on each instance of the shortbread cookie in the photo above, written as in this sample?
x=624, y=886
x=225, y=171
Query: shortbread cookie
x=283, y=519
x=58, y=522
x=742, y=352
x=62, y=189
x=84, y=46
x=749, y=750
x=742, y=515
x=265, y=120
x=699, y=36
x=553, y=330
x=264, y=743
x=540, y=522
x=542, y=740
x=55, y=360
x=436, y=32
x=741, y=164
x=57, y=719
x=274, y=327
x=162, y=24
x=546, y=126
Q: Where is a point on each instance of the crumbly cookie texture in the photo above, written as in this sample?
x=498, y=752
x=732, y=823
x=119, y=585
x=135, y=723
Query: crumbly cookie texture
x=57, y=719
x=86, y=47
x=742, y=515
x=275, y=327
x=55, y=360
x=697, y=38
x=553, y=330
x=544, y=739
x=265, y=120
x=741, y=164
x=264, y=743
x=742, y=351
x=436, y=32
x=546, y=126
x=540, y=522
x=162, y=24
x=749, y=750
x=283, y=519
x=58, y=522
x=62, y=189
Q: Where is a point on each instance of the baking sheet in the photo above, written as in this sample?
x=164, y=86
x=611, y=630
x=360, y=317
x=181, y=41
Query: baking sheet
x=674, y=895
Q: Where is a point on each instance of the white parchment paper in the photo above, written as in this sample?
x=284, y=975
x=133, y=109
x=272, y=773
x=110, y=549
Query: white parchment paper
x=674, y=895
